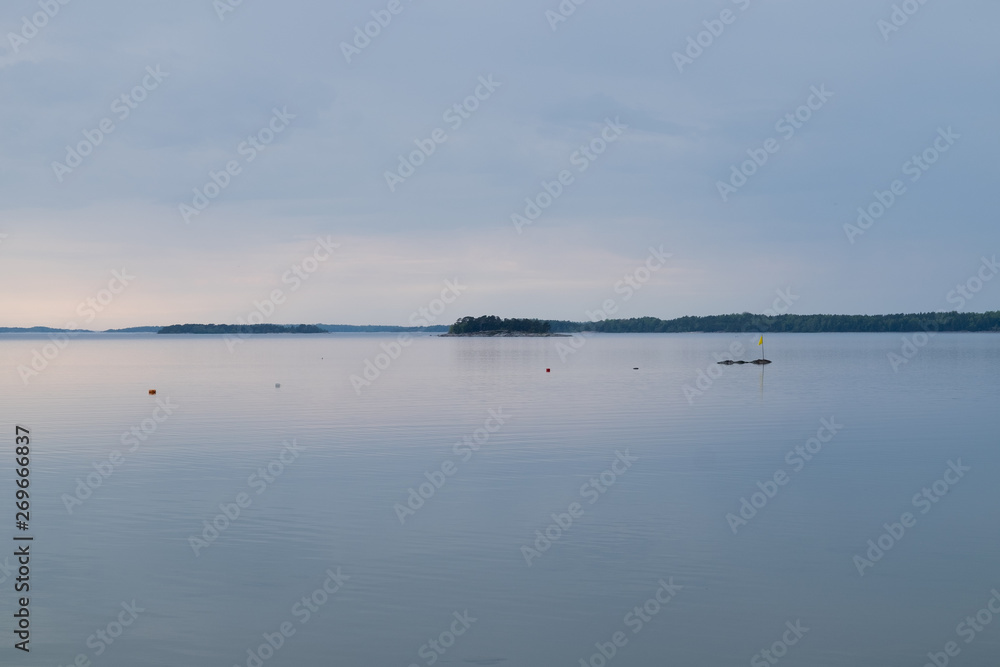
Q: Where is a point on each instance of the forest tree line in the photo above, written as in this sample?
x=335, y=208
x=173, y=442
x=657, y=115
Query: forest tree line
x=488, y=323
x=748, y=322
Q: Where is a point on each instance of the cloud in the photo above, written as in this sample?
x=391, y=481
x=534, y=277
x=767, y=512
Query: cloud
x=326, y=173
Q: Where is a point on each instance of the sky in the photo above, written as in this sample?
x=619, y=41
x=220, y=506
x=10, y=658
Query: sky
x=198, y=161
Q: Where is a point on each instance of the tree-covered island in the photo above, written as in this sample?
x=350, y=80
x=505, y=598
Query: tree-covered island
x=491, y=325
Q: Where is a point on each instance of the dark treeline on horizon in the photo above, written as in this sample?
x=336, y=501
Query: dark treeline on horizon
x=748, y=322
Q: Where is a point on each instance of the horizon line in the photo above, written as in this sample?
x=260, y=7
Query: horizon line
x=552, y=320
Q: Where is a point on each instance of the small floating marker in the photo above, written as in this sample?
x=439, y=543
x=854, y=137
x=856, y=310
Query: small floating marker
x=152, y=392
x=636, y=368
x=548, y=370
x=277, y=385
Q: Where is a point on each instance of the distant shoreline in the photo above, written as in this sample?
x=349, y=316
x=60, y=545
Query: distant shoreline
x=503, y=334
x=240, y=329
x=10, y=331
x=954, y=322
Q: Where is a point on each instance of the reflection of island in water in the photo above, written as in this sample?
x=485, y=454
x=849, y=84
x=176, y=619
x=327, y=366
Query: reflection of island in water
x=493, y=326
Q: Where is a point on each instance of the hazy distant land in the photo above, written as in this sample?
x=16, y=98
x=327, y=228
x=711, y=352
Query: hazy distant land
x=495, y=326
x=241, y=329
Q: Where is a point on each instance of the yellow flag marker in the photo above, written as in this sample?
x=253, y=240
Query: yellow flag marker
x=761, y=342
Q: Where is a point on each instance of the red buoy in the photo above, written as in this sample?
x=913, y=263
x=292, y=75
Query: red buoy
x=548, y=370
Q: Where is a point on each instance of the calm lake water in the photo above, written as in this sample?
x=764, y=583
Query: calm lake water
x=667, y=469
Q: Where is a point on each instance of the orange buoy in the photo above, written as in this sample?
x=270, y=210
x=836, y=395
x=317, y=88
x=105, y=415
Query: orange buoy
x=152, y=392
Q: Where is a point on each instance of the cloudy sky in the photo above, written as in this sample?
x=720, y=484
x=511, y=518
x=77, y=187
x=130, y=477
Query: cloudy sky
x=643, y=108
